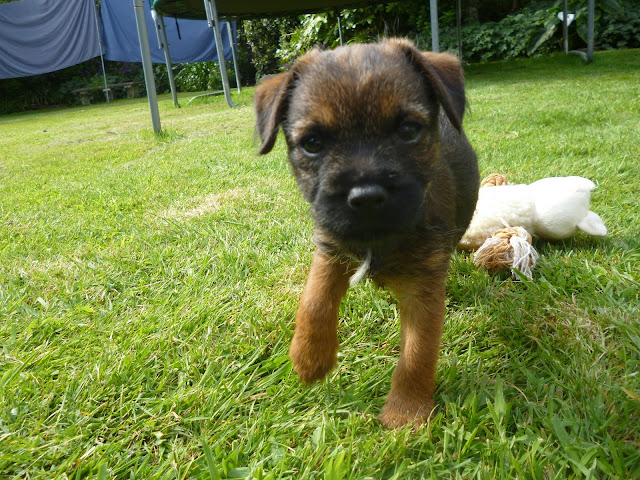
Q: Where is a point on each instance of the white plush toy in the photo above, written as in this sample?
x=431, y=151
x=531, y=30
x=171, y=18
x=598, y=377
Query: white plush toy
x=552, y=208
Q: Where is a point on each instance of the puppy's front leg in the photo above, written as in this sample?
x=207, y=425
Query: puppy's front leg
x=421, y=306
x=315, y=341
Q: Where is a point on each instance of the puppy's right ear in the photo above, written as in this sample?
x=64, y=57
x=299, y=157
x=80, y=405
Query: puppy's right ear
x=443, y=72
x=270, y=107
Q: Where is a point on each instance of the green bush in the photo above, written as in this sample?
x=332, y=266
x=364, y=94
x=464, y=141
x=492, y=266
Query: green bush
x=620, y=29
x=321, y=30
x=530, y=31
x=246, y=68
x=264, y=37
x=202, y=76
x=38, y=91
x=536, y=30
x=55, y=88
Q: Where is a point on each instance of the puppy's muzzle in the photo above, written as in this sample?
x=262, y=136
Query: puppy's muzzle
x=368, y=200
x=366, y=213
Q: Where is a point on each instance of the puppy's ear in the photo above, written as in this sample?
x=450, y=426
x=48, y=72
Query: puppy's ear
x=450, y=88
x=272, y=99
x=443, y=72
x=270, y=105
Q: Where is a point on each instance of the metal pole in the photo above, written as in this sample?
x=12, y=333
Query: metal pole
x=147, y=66
x=340, y=28
x=459, y=25
x=164, y=45
x=565, y=28
x=208, y=13
x=435, y=38
x=235, y=58
x=213, y=14
x=104, y=73
x=590, y=31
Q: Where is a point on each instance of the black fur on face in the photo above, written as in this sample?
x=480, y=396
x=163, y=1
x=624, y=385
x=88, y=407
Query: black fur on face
x=363, y=129
x=362, y=154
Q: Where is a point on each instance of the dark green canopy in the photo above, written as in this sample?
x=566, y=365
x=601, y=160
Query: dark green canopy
x=241, y=9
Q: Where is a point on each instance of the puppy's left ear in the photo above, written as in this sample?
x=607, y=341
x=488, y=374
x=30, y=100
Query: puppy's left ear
x=443, y=72
x=450, y=87
x=270, y=105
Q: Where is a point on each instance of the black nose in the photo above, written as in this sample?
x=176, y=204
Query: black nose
x=367, y=198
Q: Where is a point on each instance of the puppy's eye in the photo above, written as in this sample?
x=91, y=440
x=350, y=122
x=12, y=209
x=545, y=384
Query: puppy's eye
x=409, y=131
x=312, y=144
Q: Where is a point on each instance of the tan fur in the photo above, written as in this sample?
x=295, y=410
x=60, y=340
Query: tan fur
x=421, y=303
x=315, y=343
x=353, y=99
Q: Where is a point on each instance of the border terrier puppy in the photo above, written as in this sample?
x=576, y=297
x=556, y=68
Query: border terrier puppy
x=375, y=142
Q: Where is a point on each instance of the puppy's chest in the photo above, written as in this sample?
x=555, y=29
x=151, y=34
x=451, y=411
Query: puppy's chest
x=419, y=254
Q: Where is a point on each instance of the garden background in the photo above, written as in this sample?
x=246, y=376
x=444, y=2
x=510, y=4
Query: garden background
x=148, y=285
x=491, y=30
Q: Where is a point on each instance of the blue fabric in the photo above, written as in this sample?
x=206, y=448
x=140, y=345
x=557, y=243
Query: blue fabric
x=195, y=43
x=41, y=36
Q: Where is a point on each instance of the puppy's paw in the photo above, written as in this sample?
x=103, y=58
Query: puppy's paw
x=312, y=360
x=397, y=413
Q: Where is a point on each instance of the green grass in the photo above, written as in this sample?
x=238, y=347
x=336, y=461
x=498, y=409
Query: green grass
x=148, y=286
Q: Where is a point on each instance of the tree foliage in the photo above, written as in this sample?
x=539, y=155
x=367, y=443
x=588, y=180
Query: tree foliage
x=491, y=30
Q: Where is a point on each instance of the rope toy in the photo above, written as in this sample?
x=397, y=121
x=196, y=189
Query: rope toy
x=508, y=247
x=552, y=208
x=494, y=180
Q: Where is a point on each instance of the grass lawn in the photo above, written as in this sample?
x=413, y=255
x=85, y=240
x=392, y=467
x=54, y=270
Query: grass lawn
x=148, y=286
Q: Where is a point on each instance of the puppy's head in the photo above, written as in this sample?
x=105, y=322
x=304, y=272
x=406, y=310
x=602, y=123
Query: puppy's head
x=362, y=129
